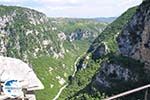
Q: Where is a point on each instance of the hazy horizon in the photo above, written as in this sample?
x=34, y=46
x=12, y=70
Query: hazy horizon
x=76, y=8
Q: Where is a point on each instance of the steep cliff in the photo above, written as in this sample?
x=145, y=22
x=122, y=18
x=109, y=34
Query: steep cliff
x=28, y=33
x=92, y=67
x=50, y=45
x=134, y=40
x=118, y=60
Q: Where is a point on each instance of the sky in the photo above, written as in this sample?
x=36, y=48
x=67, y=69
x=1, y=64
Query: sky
x=76, y=8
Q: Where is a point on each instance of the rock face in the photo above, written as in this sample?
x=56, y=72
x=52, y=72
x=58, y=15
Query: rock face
x=99, y=51
x=134, y=41
x=62, y=36
x=133, y=48
x=116, y=75
x=109, y=72
x=21, y=32
x=126, y=63
x=15, y=69
x=134, y=60
x=81, y=34
x=25, y=32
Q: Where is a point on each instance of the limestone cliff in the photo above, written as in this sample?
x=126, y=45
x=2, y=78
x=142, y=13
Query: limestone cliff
x=122, y=63
x=134, y=40
x=26, y=33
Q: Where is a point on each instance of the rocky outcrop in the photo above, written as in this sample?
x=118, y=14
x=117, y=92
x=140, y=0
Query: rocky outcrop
x=110, y=73
x=100, y=51
x=120, y=57
x=80, y=34
x=62, y=36
x=25, y=32
x=133, y=46
x=134, y=41
x=123, y=58
x=134, y=60
x=16, y=70
x=21, y=33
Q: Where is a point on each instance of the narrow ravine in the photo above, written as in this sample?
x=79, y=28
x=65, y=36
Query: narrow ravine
x=61, y=89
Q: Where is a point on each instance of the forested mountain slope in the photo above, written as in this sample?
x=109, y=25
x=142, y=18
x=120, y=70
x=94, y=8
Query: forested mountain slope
x=50, y=45
x=118, y=59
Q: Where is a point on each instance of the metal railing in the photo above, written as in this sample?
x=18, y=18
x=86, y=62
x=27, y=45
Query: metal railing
x=130, y=92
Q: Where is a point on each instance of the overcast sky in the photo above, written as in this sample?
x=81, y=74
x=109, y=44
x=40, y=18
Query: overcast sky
x=76, y=8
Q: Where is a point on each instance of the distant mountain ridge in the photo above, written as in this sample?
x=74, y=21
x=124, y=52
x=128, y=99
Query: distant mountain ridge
x=105, y=19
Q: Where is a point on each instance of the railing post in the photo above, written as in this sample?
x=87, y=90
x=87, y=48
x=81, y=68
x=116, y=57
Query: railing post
x=0, y=88
x=146, y=94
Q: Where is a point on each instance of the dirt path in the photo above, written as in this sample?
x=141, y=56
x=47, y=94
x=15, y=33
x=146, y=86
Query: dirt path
x=61, y=89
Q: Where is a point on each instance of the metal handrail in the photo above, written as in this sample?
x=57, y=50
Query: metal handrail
x=129, y=92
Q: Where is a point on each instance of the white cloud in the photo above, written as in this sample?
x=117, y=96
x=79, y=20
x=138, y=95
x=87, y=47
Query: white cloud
x=88, y=8
x=78, y=8
x=61, y=2
x=12, y=1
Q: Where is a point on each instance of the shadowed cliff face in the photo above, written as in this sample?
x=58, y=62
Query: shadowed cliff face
x=134, y=41
x=106, y=70
x=128, y=67
x=122, y=62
